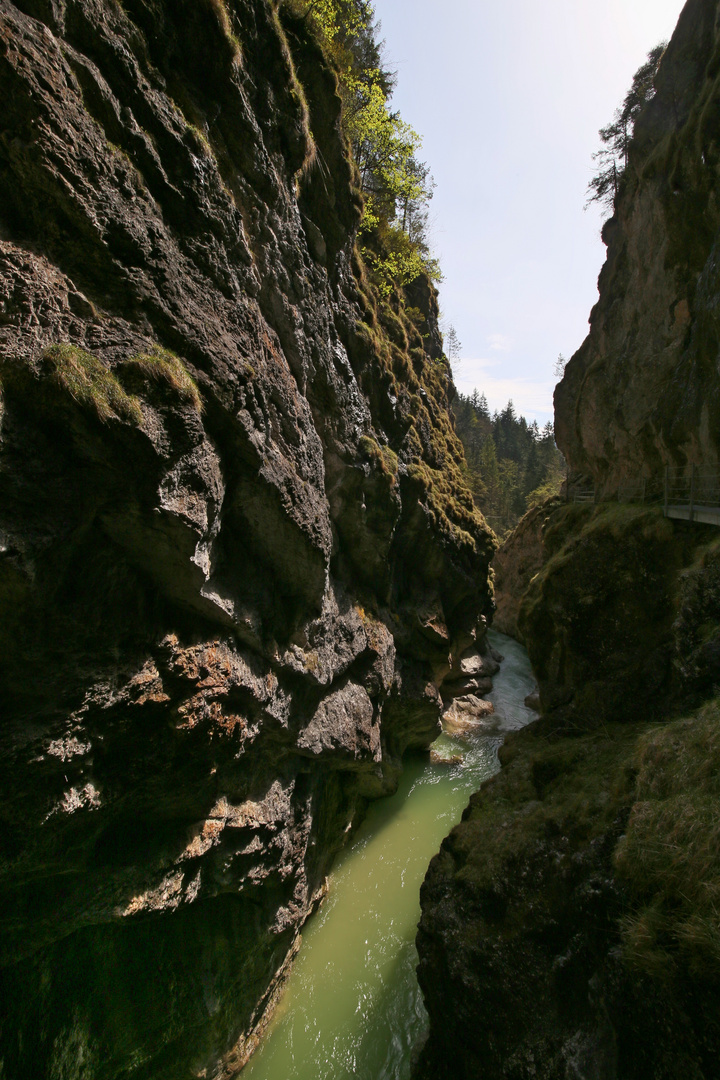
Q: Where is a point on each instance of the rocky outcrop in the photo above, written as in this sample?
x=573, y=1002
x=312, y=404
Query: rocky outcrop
x=237, y=558
x=547, y=948
x=598, y=619
x=565, y=927
x=642, y=392
x=516, y=563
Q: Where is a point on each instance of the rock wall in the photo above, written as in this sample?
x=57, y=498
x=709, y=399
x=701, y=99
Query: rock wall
x=237, y=558
x=566, y=931
x=643, y=391
x=516, y=563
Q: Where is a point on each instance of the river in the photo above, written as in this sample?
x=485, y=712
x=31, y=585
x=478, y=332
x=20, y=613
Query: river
x=352, y=1007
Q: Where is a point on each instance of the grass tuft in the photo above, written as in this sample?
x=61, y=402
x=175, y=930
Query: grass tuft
x=161, y=365
x=223, y=17
x=91, y=384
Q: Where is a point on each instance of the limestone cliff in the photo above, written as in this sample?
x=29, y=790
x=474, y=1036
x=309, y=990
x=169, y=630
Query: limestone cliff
x=568, y=929
x=237, y=557
x=570, y=925
x=643, y=391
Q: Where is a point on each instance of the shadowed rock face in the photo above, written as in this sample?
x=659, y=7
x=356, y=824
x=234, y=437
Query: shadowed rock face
x=220, y=613
x=643, y=389
x=552, y=944
x=549, y=942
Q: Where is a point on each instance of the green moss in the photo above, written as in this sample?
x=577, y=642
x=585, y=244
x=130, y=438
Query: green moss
x=665, y=780
x=161, y=365
x=670, y=854
x=393, y=325
x=450, y=507
x=553, y=795
x=91, y=384
x=597, y=619
x=299, y=98
x=385, y=459
x=391, y=361
x=201, y=139
x=223, y=17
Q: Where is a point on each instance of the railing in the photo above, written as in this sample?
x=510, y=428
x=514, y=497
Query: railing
x=580, y=494
x=689, y=493
x=644, y=489
x=693, y=495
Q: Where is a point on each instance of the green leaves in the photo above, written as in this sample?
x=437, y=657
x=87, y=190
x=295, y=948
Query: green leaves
x=396, y=185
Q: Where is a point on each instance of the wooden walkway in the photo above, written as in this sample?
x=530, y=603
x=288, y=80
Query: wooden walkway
x=689, y=493
x=705, y=515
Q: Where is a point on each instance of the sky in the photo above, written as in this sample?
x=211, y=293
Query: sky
x=508, y=98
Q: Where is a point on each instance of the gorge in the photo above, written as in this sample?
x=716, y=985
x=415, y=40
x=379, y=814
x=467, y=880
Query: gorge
x=219, y=446
x=242, y=572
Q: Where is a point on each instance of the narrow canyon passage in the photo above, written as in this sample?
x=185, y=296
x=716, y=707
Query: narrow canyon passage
x=352, y=1007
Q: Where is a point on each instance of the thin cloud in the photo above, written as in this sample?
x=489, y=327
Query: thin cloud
x=532, y=398
x=500, y=342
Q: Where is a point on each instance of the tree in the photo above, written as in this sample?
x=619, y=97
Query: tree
x=453, y=347
x=489, y=466
x=535, y=468
x=613, y=156
x=511, y=464
x=397, y=186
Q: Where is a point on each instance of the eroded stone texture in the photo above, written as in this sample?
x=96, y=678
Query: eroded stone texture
x=222, y=619
x=643, y=391
x=527, y=963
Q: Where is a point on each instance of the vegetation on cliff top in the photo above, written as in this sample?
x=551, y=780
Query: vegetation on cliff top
x=613, y=156
x=396, y=185
x=400, y=358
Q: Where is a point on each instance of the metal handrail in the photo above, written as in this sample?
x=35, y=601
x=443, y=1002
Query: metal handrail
x=699, y=489
x=696, y=487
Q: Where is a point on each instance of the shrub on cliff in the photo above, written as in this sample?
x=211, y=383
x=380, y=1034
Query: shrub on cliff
x=396, y=185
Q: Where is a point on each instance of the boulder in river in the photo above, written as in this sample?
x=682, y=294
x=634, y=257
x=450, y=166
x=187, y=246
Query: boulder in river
x=468, y=715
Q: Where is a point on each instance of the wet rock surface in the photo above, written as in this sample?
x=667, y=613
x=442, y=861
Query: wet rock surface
x=223, y=615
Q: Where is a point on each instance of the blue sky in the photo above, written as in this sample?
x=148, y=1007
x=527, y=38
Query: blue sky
x=508, y=98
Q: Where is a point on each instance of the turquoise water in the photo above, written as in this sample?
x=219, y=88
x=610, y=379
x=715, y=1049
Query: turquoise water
x=352, y=1007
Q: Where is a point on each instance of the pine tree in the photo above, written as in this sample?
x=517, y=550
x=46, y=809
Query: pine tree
x=511, y=464
x=616, y=138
